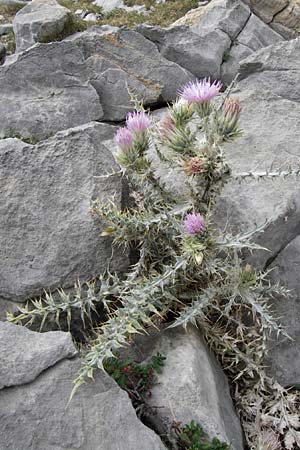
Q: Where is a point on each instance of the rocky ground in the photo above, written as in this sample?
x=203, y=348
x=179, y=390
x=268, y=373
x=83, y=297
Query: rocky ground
x=66, y=71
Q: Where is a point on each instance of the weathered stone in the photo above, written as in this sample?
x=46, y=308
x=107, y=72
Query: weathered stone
x=199, y=55
x=48, y=236
x=51, y=87
x=39, y=21
x=267, y=9
x=46, y=89
x=217, y=25
x=36, y=415
x=270, y=119
x=25, y=354
x=6, y=307
x=287, y=22
x=191, y=386
x=254, y=36
x=275, y=69
x=284, y=354
x=113, y=58
x=282, y=15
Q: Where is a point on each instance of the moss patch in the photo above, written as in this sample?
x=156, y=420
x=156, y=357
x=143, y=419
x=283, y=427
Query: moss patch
x=85, y=5
x=9, y=41
x=162, y=14
x=8, y=12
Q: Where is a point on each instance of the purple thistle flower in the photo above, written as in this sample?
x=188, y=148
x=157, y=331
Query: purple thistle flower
x=200, y=91
x=137, y=122
x=193, y=224
x=124, y=138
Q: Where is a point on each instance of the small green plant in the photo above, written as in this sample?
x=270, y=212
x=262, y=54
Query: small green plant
x=136, y=379
x=192, y=437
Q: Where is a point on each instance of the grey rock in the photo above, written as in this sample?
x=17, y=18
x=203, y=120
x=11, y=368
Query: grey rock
x=39, y=21
x=285, y=353
x=48, y=235
x=282, y=15
x=254, y=36
x=267, y=9
x=270, y=119
x=275, y=69
x=228, y=16
x=90, y=17
x=24, y=354
x=6, y=307
x=5, y=28
x=191, y=386
x=212, y=39
x=200, y=48
x=37, y=416
x=55, y=86
x=113, y=58
x=199, y=55
x=46, y=89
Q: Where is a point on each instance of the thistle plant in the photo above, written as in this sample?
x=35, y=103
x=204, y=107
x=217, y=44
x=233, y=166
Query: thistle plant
x=188, y=270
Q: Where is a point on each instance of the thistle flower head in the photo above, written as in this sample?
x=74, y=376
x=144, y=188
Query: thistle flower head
x=124, y=138
x=194, y=224
x=166, y=126
x=200, y=91
x=193, y=165
x=138, y=122
x=232, y=107
x=228, y=121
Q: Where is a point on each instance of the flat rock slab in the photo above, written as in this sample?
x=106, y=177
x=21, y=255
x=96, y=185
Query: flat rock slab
x=24, y=354
x=36, y=416
x=48, y=236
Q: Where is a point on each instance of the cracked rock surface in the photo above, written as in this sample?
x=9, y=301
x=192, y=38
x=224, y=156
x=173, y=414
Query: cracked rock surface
x=49, y=238
x=89, y=76
x=271, y=123
x=282, y=15
x=34, y=411
x=192, y=385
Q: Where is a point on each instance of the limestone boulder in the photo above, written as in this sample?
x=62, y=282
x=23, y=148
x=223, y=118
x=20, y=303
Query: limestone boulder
x=211, y=40
x=48, y=235
x=45, y=90
x=283, y=361
x=34, y=411
x=254, y=36
x=25, y=354
x=270, y=120
x=282, y=15
x=192, y=385
x=123, y=62
x=39, y=21
x=89, y=76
